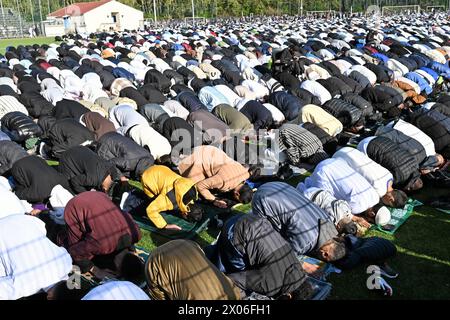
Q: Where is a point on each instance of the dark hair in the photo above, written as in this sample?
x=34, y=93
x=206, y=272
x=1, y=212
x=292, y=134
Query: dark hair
x=318, y=157
x=414, y=184
x=195, y=213
x=60, y=291
x=400, y=198
x=132, y=268
x=245, y=194
x=255, y=171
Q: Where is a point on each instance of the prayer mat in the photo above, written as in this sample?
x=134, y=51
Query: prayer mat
x=323, y=269
x=189, y=229
x=31, y=143
x=399, y=216
x=321, y=290
x=52, y=163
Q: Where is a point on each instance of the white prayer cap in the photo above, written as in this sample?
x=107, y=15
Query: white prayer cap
x=383, y=216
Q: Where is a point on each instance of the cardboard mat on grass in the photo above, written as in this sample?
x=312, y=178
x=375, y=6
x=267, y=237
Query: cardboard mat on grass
x=399, y=216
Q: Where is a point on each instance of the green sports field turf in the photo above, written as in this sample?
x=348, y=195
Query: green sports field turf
x=423, y=258
x=4, y=43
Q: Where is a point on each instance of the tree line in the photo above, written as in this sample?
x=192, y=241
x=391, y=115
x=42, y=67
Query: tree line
x=176, y=9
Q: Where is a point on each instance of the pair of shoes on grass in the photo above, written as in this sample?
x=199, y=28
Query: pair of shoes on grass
x=386, y=272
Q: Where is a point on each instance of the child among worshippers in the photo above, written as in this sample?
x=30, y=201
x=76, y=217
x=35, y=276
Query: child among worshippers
x=164, y=190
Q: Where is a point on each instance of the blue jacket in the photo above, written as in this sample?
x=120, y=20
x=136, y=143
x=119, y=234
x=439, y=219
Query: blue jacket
x=122, y=73
x=442, y=69
x=381, y=57
x=417, y=78
x=431, y=72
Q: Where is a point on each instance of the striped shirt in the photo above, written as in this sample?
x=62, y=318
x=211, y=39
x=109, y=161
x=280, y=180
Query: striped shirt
x=116, y=290
x=29, y=261
x=10, y=104
x=298, y=142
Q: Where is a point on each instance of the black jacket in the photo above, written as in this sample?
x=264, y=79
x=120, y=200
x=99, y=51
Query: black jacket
x=434, y=129
x=20, y=127
x=353, y=84
x=381, y=73
x=414, y=147
x=365, y=251
x=270, y=266
x=335, y=86
x=152, y=95
x=379, y=99
x=129, y=157
x=288, y=104
x=36, y=104
x=181, y=134
x=162, y=83
x=107, y=78
x=34, y=179
x=259, y=115
x=359, y=102
x=10, y=152
x=397, y=160
x=190, y=101
x=174, y=76
x=134, y=95
x=69, y=109
x=186, y=73
x=67, y=133
x=360, y=78
x=84, y=169
x=345, y=112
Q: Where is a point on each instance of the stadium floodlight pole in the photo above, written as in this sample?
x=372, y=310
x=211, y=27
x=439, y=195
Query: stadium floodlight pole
x=40, y=17
x=154, y=10
x=193, y=13
x=48, y=7
x=32, y=11
x=20, y=18
x=1, y=4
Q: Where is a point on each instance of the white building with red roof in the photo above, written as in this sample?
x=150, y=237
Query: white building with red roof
x=95, y=16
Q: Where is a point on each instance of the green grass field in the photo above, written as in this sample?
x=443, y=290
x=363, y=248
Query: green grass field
x=423, y=258
x=4, y=43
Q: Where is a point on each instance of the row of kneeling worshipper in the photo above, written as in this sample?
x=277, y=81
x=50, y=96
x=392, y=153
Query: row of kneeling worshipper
x=196, y=115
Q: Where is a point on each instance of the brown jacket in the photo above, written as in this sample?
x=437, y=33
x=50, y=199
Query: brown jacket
x=211, y=169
